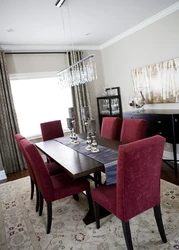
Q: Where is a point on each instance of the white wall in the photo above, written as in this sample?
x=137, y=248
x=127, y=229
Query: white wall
x=155, y=43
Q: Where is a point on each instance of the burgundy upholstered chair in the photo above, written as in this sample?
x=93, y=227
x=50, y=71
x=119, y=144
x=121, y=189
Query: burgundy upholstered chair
x=53, y=187
x=52, y=168
x=137, y=185
x=51, y=130
x=133, y=130
x=111, y=127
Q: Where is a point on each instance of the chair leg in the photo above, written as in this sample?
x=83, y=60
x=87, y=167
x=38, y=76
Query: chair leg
x=127, y=235
x=37, y=199
x=96, y=212
x=76, y=197
x=158, y=218
x=49, y=217
x=32, y=189
x=41, y=199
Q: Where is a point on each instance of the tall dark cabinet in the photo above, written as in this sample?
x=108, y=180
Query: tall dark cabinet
x=110, y=105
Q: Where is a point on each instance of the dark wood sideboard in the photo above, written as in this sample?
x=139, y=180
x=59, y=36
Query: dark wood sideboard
x=164, y=123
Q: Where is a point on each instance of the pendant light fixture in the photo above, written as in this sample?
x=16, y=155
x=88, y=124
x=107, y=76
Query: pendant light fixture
x=79, y=72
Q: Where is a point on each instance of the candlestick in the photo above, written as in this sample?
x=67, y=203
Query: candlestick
x=85, y=113
x=71, y=112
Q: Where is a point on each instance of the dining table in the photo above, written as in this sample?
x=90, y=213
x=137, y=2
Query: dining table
x=79, y=162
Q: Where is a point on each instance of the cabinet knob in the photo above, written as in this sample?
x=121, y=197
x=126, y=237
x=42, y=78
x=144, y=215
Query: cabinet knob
x=160, y=133
x=158, y=121
x=176, y=120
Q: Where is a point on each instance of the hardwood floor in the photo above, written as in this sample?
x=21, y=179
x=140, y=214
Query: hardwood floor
x=166, y=174
x=18, y=175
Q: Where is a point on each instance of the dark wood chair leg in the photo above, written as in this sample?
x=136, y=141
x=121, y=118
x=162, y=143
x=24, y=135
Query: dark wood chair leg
x=76, y=197
x=37, y=199
x=49, y=217
x=96, y=212
x=158, y=218
x=41, y=202
x=32, y=189
x=127, y=235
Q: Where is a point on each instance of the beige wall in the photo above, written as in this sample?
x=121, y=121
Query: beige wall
x=155, y=43
x=32, y=63
x=95, y=87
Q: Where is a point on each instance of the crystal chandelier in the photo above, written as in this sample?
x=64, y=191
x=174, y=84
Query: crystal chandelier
x=79, y=72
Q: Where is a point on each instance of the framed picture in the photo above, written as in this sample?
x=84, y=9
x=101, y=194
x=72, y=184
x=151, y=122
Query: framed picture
x=158, y=82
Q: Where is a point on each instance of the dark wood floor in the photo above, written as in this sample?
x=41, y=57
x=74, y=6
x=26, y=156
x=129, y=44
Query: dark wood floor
x=167, y=174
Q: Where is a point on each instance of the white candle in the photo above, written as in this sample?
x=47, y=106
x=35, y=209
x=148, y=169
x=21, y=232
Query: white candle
x=92, y=126
x=85, y=113
x=69, y=123
x=71, y=112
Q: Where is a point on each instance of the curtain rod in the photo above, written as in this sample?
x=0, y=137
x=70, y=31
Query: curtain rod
x=10, y=53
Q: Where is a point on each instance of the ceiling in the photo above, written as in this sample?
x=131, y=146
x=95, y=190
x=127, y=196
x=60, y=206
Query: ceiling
x=89, y=23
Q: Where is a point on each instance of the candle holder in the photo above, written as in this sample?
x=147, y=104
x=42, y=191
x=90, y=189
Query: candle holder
x=74, y=139
x=92, y=132
x=88, y=141
x=94, y=145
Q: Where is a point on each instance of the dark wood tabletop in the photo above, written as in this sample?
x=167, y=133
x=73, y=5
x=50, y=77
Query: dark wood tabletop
x=76, y=164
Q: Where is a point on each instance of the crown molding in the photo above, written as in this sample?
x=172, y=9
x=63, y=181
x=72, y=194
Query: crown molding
x=44, y=48
x=142, y=25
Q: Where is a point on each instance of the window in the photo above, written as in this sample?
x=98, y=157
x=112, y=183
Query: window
x=39, y=100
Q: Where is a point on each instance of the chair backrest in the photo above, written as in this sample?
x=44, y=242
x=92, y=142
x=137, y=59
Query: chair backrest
x=111, y=127
x=133, y=130
x=51, y=130
x=138, y=176
x=18, y=138
x=40, y=170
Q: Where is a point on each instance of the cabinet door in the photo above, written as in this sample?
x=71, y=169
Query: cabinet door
x=163, y=126
x=176, y=127
x=104, y=106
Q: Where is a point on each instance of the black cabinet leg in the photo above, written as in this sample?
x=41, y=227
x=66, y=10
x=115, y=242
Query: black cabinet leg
x=49, y=217
x=158, y=218
x=175, y=159
x=127, y=235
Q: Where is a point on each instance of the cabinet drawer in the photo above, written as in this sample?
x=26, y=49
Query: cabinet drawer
x=162, y=125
